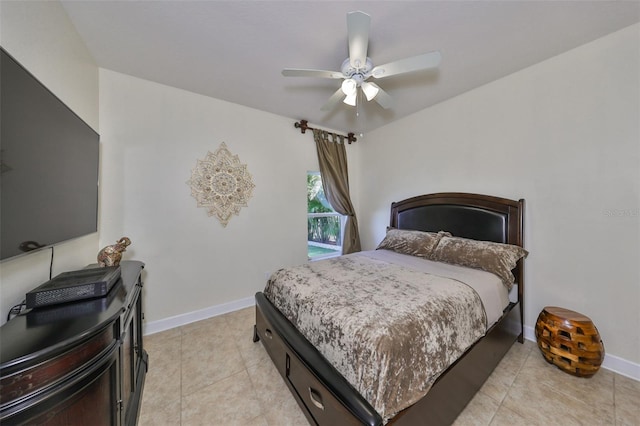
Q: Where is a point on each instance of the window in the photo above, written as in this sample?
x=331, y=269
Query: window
x=324, y=225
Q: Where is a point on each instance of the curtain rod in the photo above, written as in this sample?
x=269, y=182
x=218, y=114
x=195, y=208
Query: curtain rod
x=303, y=126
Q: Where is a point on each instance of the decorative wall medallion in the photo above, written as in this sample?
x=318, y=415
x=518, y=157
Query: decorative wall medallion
x=221, y=184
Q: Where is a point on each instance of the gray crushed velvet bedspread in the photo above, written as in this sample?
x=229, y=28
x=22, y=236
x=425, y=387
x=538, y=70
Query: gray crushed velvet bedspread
x=389, y=330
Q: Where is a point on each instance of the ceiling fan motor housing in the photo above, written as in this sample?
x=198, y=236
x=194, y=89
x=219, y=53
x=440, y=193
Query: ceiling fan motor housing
x=358, y=74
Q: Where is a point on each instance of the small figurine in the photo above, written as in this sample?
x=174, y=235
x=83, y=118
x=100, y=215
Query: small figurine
x=111, y=255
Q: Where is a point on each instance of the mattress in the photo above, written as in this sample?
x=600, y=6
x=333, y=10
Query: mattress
x=493, y=293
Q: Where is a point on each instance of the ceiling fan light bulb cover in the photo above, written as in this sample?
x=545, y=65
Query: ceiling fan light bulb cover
x=351, y=99
x=370, y=90
x=349, y=87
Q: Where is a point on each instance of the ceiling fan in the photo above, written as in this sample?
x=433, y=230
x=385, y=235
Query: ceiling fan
x=358, y=68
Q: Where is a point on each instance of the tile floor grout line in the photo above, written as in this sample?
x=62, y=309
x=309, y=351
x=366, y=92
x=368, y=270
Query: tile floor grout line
x=515, y=377
x=563, y=391
x=181, y=337
x=253, y=389
x=493, y=416
x=615, y=408
x=553, y=388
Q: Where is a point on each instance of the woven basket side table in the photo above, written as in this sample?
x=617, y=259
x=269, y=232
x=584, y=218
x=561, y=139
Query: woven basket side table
x=570, y=341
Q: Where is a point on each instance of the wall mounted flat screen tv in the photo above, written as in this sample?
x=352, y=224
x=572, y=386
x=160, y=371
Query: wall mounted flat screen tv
x=49, y=161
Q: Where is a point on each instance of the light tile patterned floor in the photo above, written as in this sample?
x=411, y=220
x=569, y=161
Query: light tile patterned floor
x=211, y=373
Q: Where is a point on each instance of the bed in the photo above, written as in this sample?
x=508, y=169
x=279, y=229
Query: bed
x=331, y=393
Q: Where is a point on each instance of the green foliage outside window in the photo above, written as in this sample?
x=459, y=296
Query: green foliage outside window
x=316, y=201
x=320, y=229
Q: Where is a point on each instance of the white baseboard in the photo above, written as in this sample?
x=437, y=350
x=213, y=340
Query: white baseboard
x=183, y=319
x=611, y=362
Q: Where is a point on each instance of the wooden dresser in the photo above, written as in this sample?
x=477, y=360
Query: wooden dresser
x=79, y=363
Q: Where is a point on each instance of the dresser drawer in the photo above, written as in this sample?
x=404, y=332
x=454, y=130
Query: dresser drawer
x=323, y=407
x=272, y=342
x=21, y=384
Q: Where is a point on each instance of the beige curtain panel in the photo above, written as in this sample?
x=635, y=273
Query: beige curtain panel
x=332, y=157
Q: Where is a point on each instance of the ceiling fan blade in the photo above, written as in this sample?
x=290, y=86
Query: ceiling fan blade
x=414, y=63
x=294, y=72
x=382, y=97
x=358, y=24
x=333, y=100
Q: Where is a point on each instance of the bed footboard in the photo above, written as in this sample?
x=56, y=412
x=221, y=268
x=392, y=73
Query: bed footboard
x=325, y=397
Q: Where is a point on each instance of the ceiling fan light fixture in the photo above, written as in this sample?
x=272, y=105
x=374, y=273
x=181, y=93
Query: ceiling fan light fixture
x=370, y=90
x=351, y=98
x=349, y=87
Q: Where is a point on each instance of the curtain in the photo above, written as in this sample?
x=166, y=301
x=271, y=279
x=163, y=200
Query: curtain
x=332, y=157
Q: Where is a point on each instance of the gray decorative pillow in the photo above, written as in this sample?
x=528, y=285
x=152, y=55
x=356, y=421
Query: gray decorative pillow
x=414, y=243
x=496, y=258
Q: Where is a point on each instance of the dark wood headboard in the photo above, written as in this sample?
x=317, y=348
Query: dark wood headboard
x=475, y=216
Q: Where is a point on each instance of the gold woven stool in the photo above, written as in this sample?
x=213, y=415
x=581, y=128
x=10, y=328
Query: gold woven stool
x=570, y=341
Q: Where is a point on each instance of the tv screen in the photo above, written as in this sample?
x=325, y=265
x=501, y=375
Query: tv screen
x=49, y=161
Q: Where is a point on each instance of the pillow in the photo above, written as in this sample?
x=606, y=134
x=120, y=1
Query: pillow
x=496, y=258
x=414, y=243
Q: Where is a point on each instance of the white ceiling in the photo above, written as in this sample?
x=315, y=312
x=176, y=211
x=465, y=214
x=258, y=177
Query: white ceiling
x=235, y=50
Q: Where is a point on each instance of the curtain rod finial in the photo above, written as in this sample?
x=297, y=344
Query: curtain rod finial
x=302, y=125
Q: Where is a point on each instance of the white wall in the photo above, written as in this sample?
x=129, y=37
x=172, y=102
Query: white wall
x=152, y=137
x=40, y=36
x=564, y=135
